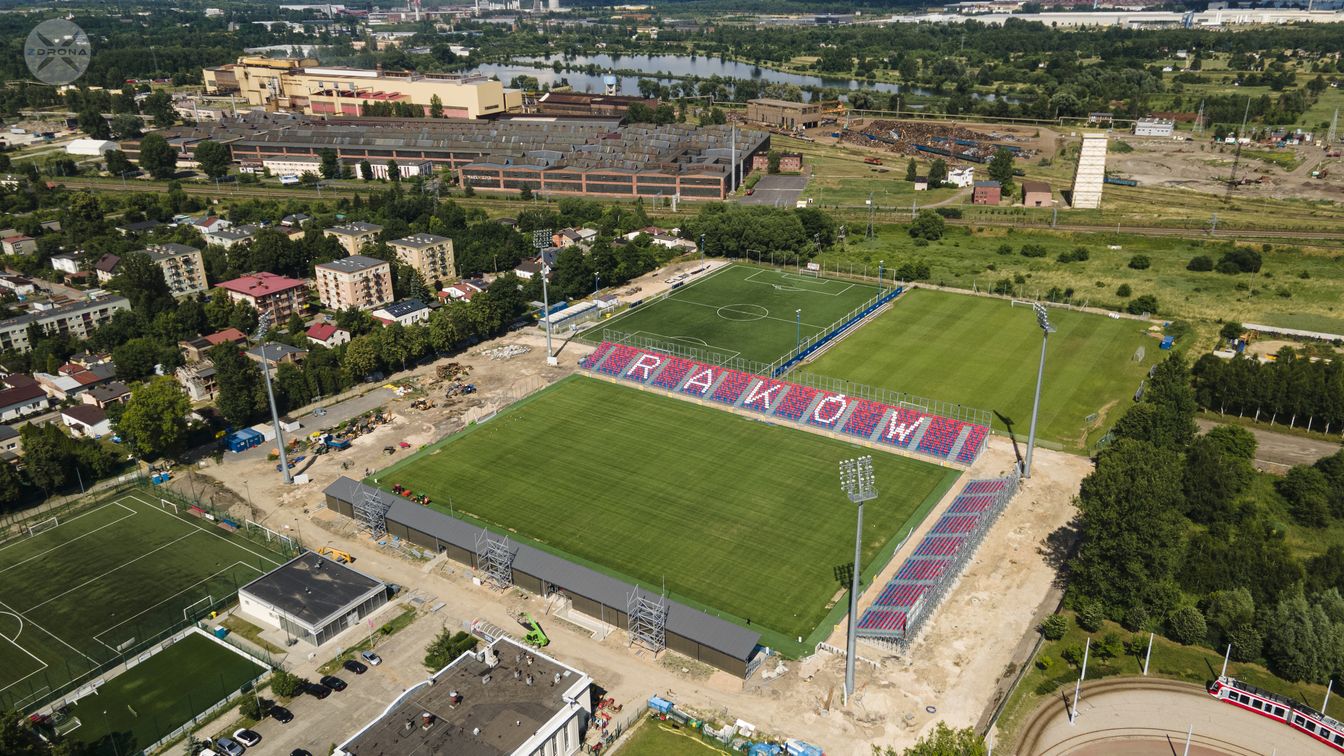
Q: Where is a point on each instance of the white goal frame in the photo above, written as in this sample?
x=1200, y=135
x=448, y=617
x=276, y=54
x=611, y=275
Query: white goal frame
x=208, y=600
x=38, y=527
x=168, y=505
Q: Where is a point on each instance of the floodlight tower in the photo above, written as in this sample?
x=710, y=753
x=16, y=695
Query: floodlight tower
x=1042, y=320
x=264, y=325
x=858, y=483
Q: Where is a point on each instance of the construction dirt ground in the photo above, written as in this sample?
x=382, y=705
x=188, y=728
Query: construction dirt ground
x=1206, y=167
x=956, y=671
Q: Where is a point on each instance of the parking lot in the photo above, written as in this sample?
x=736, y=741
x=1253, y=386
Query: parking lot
x=776, y=191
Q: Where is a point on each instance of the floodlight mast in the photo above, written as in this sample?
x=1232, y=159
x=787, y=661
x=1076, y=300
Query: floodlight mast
x=1042, y=320
x=264, y=325
x=860, y=485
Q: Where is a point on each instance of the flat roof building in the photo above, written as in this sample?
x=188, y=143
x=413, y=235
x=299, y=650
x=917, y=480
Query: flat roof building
x=355, y=281
x=354, y=235
x=785, y=113
x=1154, y=127
x=79, y=319
x=1036, y=194
x=504, y=700
x=1089, y=177
x=312, y=598
x=183, y=267
x=431, y=256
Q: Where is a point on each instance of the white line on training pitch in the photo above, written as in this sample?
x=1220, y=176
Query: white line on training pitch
x=133, y=513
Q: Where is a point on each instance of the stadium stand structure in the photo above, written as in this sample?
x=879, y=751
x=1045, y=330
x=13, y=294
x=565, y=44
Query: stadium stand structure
x=907, y=601
x=945, y=439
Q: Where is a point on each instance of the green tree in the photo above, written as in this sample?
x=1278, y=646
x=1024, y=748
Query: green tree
x=1186, y=625
x=1054, y=627
x=127, y=126
x=928, y=225
x=1225, y=611
x=1231, y=331
x=911, y=171
x=937, y=173
x=11, y=488
x=1300, y=639
x=393, y=172
x=572, y=274
x=1213, y=480
x=16, y=739
x=137, y=357
x=943, y=741
x=361, y=356
x=91, y=122
x=330, y=165
x=1233, y=441
x=157, y=157
x=46, y=456
x=435, y=107
x=366, y=170
x=140, y=280
x=159, y=106
x=1001, y=170
x=213, y=158
x=1140, y=262
x=286, y=684
x=772, y=161
x=1145, y=304
x=154, y=422
x=445, y=648
x=117, y=162
x=239, y=379
x=1307, y=492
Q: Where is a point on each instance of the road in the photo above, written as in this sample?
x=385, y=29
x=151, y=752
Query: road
x=1276, y=452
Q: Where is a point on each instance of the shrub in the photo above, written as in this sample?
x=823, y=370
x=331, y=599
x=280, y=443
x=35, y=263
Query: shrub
x=1200, y=264
x=1073, y=656
x=1044, y=663
x=949, y=212
x=1239, y=260
x=1077, y=254
x=1123, y=291
x=1186, y=625
x=1146, y=303
x=1136, y=619
x=1140, y=262
x=1033, y=250
x=1090, y=616
x=928, y=225
x=1054, y=627
x=1109, y=647
x=447, y=647
x=1004, y=249
x=251, y=708
x=286, y=684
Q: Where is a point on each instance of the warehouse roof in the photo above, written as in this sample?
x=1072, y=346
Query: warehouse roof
x=719, y=634
x=311, y=588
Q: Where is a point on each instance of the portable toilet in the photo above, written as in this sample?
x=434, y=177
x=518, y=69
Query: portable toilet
x=1168, y=341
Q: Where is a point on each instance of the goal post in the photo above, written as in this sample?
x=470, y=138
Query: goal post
x=43, y=526
x=168, y=505
x=200, y=606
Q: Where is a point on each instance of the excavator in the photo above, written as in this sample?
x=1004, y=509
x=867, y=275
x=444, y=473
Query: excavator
x=342, y=557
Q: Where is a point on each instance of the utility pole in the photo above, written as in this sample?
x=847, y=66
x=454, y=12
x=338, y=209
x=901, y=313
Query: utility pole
x=859, y=484
x=264, y=325
x=1042, y=320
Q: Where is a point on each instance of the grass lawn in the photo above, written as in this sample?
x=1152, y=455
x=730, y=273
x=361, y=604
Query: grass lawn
x=745, y=311
x=135, y=709
x=655, y=738
x=739, y=516
x=1170, y=660
x=117, y=574
x=984, y=353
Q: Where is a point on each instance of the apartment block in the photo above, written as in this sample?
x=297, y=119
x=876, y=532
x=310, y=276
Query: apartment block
x=353, y=236
x=183, y=267
x=430, y=255
x=79, y=319
x=267, y=292
x=354, y=281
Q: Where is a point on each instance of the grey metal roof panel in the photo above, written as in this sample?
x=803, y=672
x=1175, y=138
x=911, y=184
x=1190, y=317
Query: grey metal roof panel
x=719, y=634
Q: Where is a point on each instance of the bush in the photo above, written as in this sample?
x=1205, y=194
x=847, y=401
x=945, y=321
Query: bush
x=1004, y=249
x=1073, y=656
x=1077, y=254
x=447, y=647
x=928, y=225
x=1090, y=616
x=285, y=684
x=1186, y=625
x=1140, y=262
x=1033, y=250
x=1146, y=303
x=1109, y=647
x=1054, y=627
x=1044, y=663
x=1136, y=619
x=1123, y=291
x=1200, y=264
x=949, y=212
x=1307, y=491
x=251, y=708
x=1239, y=260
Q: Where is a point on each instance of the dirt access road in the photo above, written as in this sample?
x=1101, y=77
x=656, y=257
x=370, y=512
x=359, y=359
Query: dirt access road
x=1276, y=452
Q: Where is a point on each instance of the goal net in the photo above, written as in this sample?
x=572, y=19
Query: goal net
x=41, y=527
x=168, y=505
x=196, y=608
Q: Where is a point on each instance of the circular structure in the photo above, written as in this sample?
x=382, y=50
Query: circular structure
x=1137, y=715
x=742, y=313
x=57, y=51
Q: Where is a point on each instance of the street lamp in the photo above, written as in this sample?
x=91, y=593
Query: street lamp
x=597, y=283
x=546, y=309
x=1042, y=320
x=880, y=263
x=859, y=484
x=798, y=328
x=264, y=325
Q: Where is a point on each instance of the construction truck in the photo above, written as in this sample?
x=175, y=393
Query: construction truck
x=536, y=637
x=343, y=557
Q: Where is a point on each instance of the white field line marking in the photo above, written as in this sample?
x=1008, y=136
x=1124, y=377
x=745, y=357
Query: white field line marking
x=63, y=523
x=127, y=563
x=790, y=321
x=53, y=635
x=133, y=513
x=696, y=342
x=98, y=636
x=803, y=281
x=15, y=642
x=206, y=531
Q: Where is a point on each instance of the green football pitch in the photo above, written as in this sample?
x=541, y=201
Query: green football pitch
x=78, y=593
x=743, y=311
x=137, y=708
x=984, y=353
x=742, y=518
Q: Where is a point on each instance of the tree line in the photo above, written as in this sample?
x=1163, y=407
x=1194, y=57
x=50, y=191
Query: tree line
x=1295, y=389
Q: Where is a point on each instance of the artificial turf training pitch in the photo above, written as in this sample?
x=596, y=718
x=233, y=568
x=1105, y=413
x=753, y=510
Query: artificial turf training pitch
x=102, y=581
x=743, y=311
x=984, y=353
x=743, y=518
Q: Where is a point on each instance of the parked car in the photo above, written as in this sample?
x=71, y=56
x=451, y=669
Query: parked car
x=299, y=752
x=317, y=691
x=246, y=737
x=333, y=682
x=370, y=657
x=229, y=747
x=280, y=714
x=355, y=666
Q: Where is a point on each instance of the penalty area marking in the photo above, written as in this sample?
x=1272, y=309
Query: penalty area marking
x=14, y=641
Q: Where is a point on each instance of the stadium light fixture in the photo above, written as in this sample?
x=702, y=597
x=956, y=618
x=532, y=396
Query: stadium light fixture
x=546, y=310
x=1042, y=320
x=264, y=325
x=860, y=485
x=798, y=327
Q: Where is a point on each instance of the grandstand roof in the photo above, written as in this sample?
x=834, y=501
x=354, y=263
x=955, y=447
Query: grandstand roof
x=719, y=634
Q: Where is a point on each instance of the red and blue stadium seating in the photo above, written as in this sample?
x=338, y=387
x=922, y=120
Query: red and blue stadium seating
x=985, y=486
x=920, y=570
x=940, y=436
x=596, y=357
x=956, y=524
x=672, y=374
x=974, y=441
x=971, y=504
x=906, y=420
x=796, y=402
x=900, y=595
x=699, y=389
x=618, y=359
x=764, y=394
x=831, y=408
x=865, y=417
x=886, y=620
x=732, y=386
x=938, y=546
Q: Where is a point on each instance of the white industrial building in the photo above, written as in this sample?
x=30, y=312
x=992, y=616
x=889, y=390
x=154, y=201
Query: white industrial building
x=90, y=147
x=1090, y=176
x=312, y=598
x=1154, y=127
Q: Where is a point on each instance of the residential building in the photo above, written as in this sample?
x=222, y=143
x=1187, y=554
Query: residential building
x=303, y=85
x=198, y=349
x=267, y=292
x=355, y=281
x=295, y=220
x=21, y=397
x=210, y=223
x=22, y=286
x=353, y=236
x=107, y=394
x=198, y=380
x=568, y=237
x=11, y=444
x=961, y=177
x=72, y=380
x=328, y=335
x=430, y=255
x=785, y=113
x=463, y=290
x=106, y=267
x=276, y=354
x=674, y=242
x=1089, y=177
x=405, y=312
x=293, y=166
x=1036, y=194
x=79, y=319
x=18, y=245
x=183, y=267
x=1154, y=127
x=525, y=702
x=228, y=238
x=529, y=268
x=68, y=263
x=86, y=420
x=986, y=193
